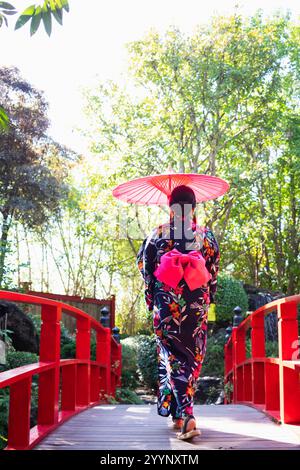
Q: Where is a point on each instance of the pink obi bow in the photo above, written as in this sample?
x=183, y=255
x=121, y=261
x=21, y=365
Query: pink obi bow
x=175, y=265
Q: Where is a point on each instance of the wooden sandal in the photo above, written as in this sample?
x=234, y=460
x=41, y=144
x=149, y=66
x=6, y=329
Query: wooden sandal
x=184, y=434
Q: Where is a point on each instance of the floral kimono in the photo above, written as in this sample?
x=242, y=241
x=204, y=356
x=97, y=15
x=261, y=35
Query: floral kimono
x=179, y=314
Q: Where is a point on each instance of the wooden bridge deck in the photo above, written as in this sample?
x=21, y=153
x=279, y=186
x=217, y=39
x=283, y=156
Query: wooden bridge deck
x=138, y=427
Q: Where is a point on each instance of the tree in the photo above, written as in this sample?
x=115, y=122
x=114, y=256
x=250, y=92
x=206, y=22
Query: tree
x=222, y=101
x=35, y=13
x=30, y=190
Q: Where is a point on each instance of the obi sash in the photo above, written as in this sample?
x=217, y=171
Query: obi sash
x=175, y=265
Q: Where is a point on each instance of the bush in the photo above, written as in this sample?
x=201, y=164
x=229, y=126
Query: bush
x=147, y=360
x=4, y=407
x=19, y=358
x=213, y=364
x=130, y=377
x=68, y=350
x=16, y=359
x=124, y=395
x=230, y=293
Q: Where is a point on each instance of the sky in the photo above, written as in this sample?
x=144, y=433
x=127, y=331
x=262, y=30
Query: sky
x=91, y=45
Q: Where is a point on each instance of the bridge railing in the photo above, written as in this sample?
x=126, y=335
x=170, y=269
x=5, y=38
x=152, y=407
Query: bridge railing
x=271, y=384
x=65, y=386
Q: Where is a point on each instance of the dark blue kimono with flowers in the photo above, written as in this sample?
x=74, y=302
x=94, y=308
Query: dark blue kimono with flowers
x=179, y=314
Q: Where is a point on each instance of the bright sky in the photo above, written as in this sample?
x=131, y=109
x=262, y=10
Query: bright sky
x=92, y=42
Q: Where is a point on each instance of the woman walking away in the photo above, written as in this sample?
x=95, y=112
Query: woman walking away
x=179, y=262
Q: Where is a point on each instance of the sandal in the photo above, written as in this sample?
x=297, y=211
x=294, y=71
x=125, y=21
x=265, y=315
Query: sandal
x=184, y=434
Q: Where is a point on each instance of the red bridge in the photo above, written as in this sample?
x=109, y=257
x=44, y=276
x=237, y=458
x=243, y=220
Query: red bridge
x=66, y=386
x=270, y=384
x=262, y=388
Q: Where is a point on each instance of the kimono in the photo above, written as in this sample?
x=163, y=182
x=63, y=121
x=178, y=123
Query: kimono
x=179, y=314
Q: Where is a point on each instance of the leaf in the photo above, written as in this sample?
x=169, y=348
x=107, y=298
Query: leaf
x=6, y=12
x=25, y=16
x=52, y=4
x=65, y=5
x=58, y=15
x=4, y=119
x=35, y=22
x=6, y=6
x=47, y=20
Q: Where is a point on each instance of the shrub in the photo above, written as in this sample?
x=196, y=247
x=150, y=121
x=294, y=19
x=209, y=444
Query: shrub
x=130, y=377
x=147, y=360
x=230, y=293
x=4, y=407
x=68, y=350
x=213, y=364
x=19, y=358
x=68, y=345
x=124, y=395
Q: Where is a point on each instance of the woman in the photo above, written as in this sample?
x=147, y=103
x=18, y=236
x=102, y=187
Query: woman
x=179, y=263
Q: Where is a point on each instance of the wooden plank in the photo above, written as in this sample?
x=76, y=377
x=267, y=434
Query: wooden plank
x=138, y=427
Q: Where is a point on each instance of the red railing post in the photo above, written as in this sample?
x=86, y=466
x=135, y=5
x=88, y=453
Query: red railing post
x=103, y=353
x=238, y=356
x=48, y=399
x=19, y=414
x=68, y=392
x=116, y=365
x=83, y=351
x=288, y=378
x=234, y=364
x=228, y=357
x=95, y=383
x=119, y=356
x=258, y=351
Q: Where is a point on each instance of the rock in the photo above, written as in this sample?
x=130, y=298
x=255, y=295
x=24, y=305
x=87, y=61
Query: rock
x=24, y=336
x=209, y=390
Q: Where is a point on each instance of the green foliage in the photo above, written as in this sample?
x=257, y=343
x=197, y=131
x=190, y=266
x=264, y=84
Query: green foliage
x=31, y=190
x=36, y=13
x=213, y=364
x=230, y=293
x=228, y=390
x=271, y=348
x=4, y=119
x=37, y=321
x=68, y=345
x=68, y=350
x=125, y=395
x=6, y=9
x=4, y=409
x=130, y=375
x=19, y=358
x=147, y=360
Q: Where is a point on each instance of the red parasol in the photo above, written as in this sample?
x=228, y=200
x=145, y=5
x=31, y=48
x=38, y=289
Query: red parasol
x=156, y=189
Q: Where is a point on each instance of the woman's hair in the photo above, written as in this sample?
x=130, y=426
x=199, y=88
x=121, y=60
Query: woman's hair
x=182, y=195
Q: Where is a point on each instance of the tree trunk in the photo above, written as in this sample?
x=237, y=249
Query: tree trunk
x=6, y=223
